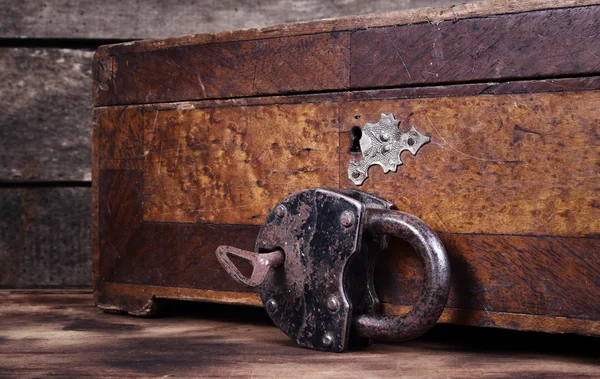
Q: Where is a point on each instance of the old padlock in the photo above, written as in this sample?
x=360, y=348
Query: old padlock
x=313, y=265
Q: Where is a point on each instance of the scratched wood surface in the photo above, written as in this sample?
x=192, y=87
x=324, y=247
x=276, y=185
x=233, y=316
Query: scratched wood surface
x=46, y=114
x=514, y=164
x=545, y=43
x=230, y=165
x=137, y=19
x=508, y=179
x=434, y=53
x=523, y=267
x=44, y=234
x=549, y=276
x=234, y=69
x=495, y=164
x=64, y=335
x=454, y=12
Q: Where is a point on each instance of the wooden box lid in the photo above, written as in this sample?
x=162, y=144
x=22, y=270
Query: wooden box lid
x=483, y=41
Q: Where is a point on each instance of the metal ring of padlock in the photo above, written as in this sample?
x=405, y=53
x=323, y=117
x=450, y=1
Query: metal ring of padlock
x=436, y=285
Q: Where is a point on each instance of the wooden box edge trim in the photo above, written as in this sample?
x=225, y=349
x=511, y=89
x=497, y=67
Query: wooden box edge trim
x=505, y=320
x=372, y=20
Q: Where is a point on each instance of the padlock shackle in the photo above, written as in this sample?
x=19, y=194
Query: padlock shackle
x=436, y=285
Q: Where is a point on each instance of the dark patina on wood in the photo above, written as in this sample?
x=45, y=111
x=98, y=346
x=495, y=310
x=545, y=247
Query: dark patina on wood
x=508, y=179
x=524, y=45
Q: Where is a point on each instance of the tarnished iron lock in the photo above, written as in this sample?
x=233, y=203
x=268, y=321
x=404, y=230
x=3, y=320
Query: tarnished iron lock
x=314, y=262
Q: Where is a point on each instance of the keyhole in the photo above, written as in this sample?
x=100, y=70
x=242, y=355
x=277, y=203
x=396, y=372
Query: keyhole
x=355, y=134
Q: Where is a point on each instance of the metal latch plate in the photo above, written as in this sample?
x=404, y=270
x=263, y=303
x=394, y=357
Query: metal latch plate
x=381, y=144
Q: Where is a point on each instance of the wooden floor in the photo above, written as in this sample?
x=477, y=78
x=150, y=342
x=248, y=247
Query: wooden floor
x=64, y=335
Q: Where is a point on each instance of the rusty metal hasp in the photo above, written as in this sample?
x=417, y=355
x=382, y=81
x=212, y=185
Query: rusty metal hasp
x=313, y=265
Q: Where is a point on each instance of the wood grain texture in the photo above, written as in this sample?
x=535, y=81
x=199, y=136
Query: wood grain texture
x=95, y=211
x=514, y=164
x=590, y=83
x=512, y=321
x=546, y=85
x=402, y=17
x=231, y=165
x=529, y=45
x=65, y=336
x=120, y=138
x=504, y=320
x=156, y=19
x=549, y=276
x=525, y=274
x=546, y=43
x=119, y=215
x=44, y=237
x=513, y=130
x=177, y=293
x=175, y=255
x=131, y=150
x=44, y=123
x=234, y=69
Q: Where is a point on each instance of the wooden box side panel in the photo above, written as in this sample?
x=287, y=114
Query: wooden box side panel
x=230, y=165
x=533, y=268
x=502, y=164
x=522, y=164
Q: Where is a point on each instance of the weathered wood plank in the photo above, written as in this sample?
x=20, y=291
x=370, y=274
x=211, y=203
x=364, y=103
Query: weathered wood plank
x=44, y=237
x=155, y=19
x=527, y=86
x=173, y=255
x=534, y=145
x=549, y=275
x=65, y=336
x=546, y=85
x=234, y=69
x=472, y=89
x=390, y=17
x=543, y=44
x=95, y=211
x=506, y=164
x=46, y=115
x=232, y=165
x=504, y=320
x=119, y=214
x=120, y=132
x=530, y=45
x=513, y=321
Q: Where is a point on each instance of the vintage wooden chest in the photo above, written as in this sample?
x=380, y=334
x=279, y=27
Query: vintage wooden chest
x=196, y=139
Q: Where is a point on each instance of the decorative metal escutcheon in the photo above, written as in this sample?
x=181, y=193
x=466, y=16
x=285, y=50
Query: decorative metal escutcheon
x=314, y=262
x=381, y=144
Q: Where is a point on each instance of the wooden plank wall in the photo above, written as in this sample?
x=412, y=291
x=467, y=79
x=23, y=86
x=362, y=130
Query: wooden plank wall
x=45, y=93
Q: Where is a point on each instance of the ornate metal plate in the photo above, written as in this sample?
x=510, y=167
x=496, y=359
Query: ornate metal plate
x=381, y=144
